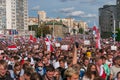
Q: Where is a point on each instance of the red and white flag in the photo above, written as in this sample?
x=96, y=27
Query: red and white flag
x=48, y=44
x=32, y=39
x=98, y=45
x=12, y=47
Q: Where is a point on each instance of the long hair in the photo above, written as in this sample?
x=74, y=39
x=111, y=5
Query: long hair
x=88, y=72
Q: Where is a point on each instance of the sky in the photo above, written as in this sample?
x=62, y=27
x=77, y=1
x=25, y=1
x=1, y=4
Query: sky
x=85, y=10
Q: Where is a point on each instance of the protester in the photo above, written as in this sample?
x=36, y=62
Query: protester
x=118, y=76
x=32, y=60
x=71, y=74
x=35, y=76
x=49, y=73
x=4, y=74
x=91, y=72
x=115, y=68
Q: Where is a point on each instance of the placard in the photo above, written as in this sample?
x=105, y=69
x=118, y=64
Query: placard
x=57, y=44
x=113, y=47
x=64, y=47
x=87, y=42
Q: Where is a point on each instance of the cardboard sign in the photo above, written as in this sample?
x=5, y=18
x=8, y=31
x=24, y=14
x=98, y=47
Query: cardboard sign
x=113, y=47
x=64, y=47
x=57, y=44
x=87, y=42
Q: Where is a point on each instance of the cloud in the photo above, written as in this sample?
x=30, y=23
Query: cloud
x=82, y=1
x=67, y=0
x=88, y=1
x=36, y=7
x=81, y=14
x=75, y=13
x=67, y=10
x=110, y=3
x=89, y=16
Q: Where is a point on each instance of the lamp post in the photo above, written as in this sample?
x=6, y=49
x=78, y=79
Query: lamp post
x=53, y=28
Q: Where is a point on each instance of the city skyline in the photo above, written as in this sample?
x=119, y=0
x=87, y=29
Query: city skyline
x=86, y=10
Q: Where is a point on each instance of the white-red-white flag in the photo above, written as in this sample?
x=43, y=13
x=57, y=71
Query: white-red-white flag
x=48, y=44
x=98, y=45
x=12, y=47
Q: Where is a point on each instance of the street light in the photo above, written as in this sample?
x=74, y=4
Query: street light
x=53, y=28
x=114, y=22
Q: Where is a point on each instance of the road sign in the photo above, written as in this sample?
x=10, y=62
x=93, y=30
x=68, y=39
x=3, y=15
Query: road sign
x=114, y=35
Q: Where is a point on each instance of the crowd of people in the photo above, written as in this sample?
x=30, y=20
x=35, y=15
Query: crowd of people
x=32, y=61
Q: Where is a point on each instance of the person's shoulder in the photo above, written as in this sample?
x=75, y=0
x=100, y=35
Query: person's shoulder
x=85, y=77
x=8, y=77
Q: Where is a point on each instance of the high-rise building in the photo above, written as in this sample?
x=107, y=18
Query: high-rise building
x=2, y=14
x=106, y=16
x=41, y=15
x=118, y=13
x=14, y=14
x=22, y=14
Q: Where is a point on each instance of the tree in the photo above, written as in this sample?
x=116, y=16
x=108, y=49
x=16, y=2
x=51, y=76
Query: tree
x=74, y=30
x=81, y=30
x=43, y=31
x=118, y=35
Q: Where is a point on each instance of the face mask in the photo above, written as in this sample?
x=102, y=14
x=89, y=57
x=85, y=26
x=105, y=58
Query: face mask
x=40, y=68
x=12, y=62
x=93, y=72
x=110, y=59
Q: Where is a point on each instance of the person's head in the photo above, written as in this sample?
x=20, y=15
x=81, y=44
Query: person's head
x=117, y=60
x=35, y=76
x=71, y=74
x=48, y=56
x=99, y=78
x=3, y=68
x=91, y=70
x=98, y=61
x=40, y=54
x=1, y=57
x=50, y=72
x=118, y=76
x=62, y=63
x=39, y=65
x=27, y=73
x=69, y=62
x=25, y=66
x=17, y=68
x=45, y=60
x=109, y=56
x=57, y=74
x=103, y=59
x=86, y=61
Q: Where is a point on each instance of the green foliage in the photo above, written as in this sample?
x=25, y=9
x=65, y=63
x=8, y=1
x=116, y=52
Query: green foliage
x=43, y=31
x=74, y=30
x=81, y=30
x=32, y=27
x=118, y=35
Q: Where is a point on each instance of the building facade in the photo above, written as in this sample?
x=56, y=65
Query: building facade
x=33, y=21
x=2, y=14
x=118, y=13
x=14, y=14
x=107, y=14
x=41, y=15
